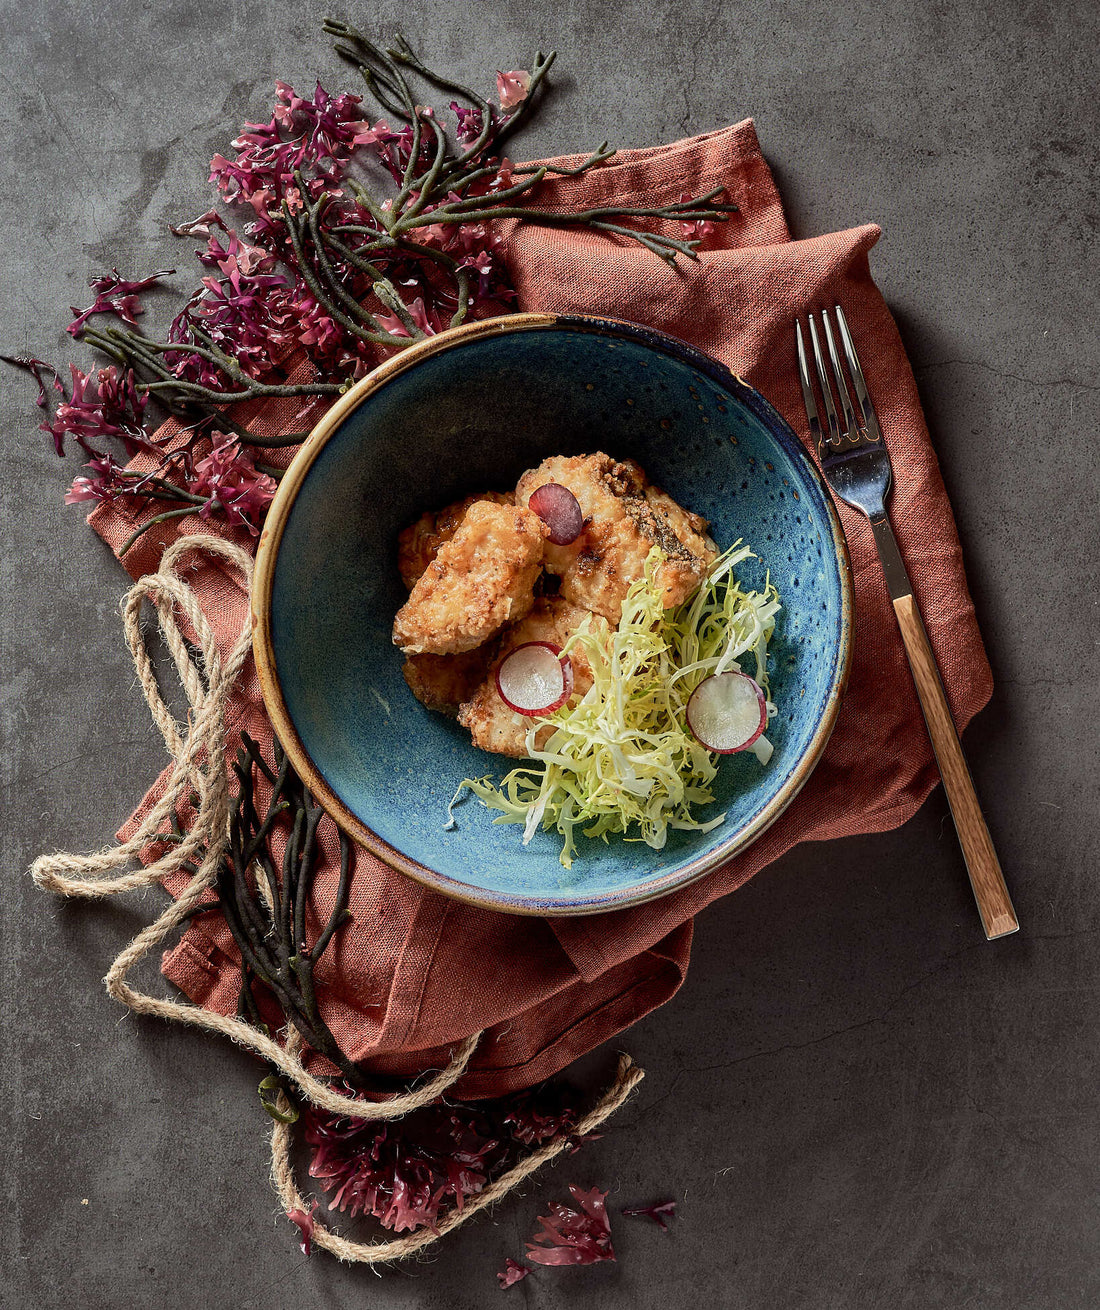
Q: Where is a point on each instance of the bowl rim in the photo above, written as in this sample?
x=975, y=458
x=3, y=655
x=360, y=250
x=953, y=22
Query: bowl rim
x=264, y=650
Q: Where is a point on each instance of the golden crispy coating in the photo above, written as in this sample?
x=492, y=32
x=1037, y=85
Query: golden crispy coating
x=419, y=544
x=443, y=682
x=689, y=528
x=481, y=579
x=495, y=727
x=625, y=516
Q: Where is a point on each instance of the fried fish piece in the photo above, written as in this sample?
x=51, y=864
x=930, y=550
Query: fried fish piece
x=419, y=543
x=481, y=579
x=625, y=516
x=492, y=724
x=444, y=682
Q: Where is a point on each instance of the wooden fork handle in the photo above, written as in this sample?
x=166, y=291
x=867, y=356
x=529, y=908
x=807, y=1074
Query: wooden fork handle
x=986, y=878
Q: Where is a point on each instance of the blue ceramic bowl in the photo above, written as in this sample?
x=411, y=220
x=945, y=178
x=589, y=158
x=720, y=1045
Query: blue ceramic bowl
x=470, y=410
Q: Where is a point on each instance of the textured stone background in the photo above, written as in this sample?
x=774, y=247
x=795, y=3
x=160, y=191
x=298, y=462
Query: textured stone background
x=858, y=1102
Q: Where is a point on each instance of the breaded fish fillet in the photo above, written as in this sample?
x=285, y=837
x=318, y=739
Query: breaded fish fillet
x=481, y=579
x=495, y=727
x=419, y=544
x=625, y=516
x=443, y=682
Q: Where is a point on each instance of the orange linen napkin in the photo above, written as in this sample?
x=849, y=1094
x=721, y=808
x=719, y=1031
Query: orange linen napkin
x=414, y=971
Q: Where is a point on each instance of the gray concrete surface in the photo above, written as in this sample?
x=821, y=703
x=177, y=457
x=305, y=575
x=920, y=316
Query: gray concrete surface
x=858, y=1102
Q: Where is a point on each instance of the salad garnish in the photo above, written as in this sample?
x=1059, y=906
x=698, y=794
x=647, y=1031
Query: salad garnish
x=623, y=759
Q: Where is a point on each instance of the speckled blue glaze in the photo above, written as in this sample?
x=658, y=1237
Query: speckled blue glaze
x=474, y=417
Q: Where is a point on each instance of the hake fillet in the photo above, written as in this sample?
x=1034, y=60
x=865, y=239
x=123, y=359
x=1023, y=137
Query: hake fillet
x=625, y=517
x=479, y=580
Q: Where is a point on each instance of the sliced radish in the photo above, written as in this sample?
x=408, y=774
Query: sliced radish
x=560, y=510
x=536, y=678
x=727, y=712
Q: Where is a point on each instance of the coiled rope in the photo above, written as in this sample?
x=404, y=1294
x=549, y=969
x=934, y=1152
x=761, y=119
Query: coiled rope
x=199, y=769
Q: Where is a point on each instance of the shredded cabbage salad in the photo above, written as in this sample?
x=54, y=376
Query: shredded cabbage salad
x=622, y=759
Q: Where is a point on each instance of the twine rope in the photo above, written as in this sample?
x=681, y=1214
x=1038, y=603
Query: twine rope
x=627, y=1077
x=199, y=769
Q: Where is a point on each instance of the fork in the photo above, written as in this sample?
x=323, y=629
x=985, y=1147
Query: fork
x=856, y=465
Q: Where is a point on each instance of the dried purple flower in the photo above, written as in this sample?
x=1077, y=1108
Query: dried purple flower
x=105, y=483
x=306, y=1224
x=36, y=367
x=316, y=135
x=512, y=88
x=533, y=1117
x=477, y=247
x=470, y=122
x=104, y=403
x=336, y=272
x=424, y=316
x=228, y=478
x=237, y=258
x=698, y=230
x=242, y=313
x=201, y=226
x=116, y=295
x=405, y=1172
x=569, y=1236
x=658, y=1212
x=512, y=1272
x=394, y=148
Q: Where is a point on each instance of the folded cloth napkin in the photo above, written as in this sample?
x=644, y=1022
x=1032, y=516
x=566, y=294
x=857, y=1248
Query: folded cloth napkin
x=414, y=971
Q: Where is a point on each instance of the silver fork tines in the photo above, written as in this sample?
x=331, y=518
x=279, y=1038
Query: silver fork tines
x=870, y=420
x=850, y=424
x=858, y=430
x=853, y=457
x=835, y=436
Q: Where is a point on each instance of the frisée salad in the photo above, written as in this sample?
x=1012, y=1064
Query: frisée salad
x=672, y=690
